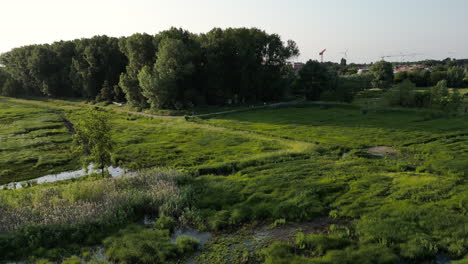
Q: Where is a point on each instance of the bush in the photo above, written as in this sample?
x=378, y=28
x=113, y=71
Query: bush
x=369, y=254
x=219, y=220
x=419, y=247
x=187, y=244
x=279, y=222
x=86, y=255
x=138, y=245
x=43, y=261
x=282, y=253
x=240, y=215
x=165, y=222
x=319, y=244
x=461, y=261
x=402, y=94
x=72, y=260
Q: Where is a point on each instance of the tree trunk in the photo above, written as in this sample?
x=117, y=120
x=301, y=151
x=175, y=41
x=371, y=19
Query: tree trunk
x=102, y=168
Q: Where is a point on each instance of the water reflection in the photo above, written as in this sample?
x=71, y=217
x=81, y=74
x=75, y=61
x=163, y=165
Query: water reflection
x=113, y=171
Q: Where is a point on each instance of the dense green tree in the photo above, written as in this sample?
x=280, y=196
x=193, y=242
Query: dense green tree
x=166, y=83
x=455, y=76
x=403, y=94
x=383, y=74
x=40, y=69
x=439, y=95
x=106, y=94
x=313, y=80
x=10, y=87
x=400, y=76
x=147, y=80
x=343, y=62
x=421, y=78
x=245, y=65
x=465, y=79
x=455, y=101
x=92, y=139
x=234, y=65
x=437, y=75
x=140, y=51
x=443, y=99
x=98, y=60
x=16, y=65
x=4, y=76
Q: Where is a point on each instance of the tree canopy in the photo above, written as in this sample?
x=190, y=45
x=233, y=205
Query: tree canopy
x=383, y=74
x=92, y=140
x=172, y=69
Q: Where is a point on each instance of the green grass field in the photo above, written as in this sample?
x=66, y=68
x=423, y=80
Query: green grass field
x=34, y=142
x=282, y=166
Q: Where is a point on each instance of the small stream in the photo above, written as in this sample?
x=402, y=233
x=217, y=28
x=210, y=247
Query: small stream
x=113, y=171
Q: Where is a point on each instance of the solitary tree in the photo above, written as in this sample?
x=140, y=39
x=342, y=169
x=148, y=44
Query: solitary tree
x=92, y=139
x=383, y=74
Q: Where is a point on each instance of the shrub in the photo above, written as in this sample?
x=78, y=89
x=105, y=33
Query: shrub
x=86, y=255
x=43, y=261
x=138, y=245
x=281, y=253
x=165, y=222
x=279, y=222
x=461, y=261
x=320, y=244
x=240, y=215
x=219, y=220
x=419, y=247
x=366, y=254
x=72, y=260
x=187, y=244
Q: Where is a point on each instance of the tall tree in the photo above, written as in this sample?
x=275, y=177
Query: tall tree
x=313, y=80
x=455, y=77
x=383, y=74
x=140, y=51
x=172, y=69
x=92, y=139
x=97, y=60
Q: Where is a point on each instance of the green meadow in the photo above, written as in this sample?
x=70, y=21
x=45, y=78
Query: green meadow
x=301, y=172
x=33, y=142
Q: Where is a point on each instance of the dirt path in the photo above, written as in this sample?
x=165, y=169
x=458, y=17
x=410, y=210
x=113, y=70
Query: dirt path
x=245, y=109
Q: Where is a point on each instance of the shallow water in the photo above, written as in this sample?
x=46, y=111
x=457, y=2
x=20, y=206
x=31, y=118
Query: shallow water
x=113, y=171
x=203, y=238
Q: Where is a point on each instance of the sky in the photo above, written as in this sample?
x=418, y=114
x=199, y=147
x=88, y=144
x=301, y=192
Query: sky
x=366, y=29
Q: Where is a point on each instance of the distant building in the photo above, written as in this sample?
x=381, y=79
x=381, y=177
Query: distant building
x=407, y=68
x=297, y=66
x=362, y=70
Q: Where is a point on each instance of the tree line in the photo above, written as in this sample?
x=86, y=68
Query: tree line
x=177, y=69
x=173, y=69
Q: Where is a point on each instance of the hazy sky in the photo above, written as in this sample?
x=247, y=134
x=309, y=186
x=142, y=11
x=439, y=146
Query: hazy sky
x=368, y=29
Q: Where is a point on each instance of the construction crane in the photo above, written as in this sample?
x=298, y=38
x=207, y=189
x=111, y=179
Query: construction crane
x=401, y=55
x=345, y=53
x=321, y=54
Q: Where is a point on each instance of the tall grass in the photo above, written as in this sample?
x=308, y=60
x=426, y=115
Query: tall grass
x=84, y=211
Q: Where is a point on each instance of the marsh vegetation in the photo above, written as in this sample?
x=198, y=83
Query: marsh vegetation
x=258, y=181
